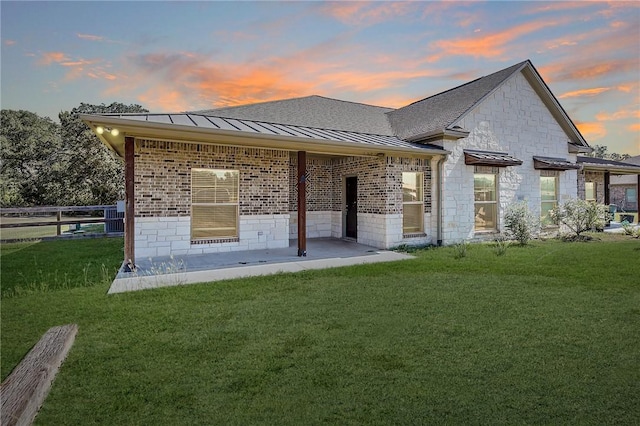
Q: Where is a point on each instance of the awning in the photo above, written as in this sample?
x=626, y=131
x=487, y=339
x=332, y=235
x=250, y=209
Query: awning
x=548, y=163
x=488, y=158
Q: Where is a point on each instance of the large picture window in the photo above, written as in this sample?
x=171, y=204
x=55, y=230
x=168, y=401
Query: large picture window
x=214, y=204
x=549, y=196
x=412, y=203
x=485, y=199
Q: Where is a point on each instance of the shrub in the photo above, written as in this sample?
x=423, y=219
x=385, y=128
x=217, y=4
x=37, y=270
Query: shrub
x=629, y=229
x=501, y=246
x=521, y=224
x=580, y=215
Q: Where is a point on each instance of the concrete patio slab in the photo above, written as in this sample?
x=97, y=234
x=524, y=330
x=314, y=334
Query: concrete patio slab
x=181, y=270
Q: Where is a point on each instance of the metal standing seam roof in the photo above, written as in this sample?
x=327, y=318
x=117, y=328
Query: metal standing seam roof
x=549, y=163
x=274, y=129
x=488, y=158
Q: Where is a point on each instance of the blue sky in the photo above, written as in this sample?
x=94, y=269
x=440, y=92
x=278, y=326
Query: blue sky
x=176, y=56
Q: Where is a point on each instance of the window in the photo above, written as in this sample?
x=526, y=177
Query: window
x=548, y=195
x=412, y=203
x=630, y=195
x=590, y=191
x=485, y=198
x=214, y=204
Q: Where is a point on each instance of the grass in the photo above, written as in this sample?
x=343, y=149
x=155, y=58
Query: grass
x=35, y=266
x=541, y=334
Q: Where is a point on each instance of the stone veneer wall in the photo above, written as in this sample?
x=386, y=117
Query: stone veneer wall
x=590, y=176
x=163, y=196
x=512, y=119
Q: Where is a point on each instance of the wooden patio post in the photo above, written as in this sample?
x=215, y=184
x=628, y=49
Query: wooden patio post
x=129, y=214
x=302, y=203
x=606, y=188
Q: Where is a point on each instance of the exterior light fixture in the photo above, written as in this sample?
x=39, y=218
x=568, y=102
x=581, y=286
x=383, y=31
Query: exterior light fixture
x=100, y=130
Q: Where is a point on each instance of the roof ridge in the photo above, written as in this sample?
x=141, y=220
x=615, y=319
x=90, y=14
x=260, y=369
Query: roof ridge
x=518, y=65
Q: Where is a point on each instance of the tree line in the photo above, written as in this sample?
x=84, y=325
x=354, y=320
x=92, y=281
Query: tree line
x=65, y=164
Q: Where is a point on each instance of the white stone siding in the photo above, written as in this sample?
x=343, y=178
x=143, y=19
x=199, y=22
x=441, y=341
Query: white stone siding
x=319, y=224
x=167, y=235
x=385, y=231
x=513, y=119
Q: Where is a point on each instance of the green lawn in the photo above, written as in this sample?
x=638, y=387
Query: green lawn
x=544, y=334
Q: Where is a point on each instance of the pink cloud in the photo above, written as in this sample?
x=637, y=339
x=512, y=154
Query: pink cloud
x=49, y=58
x=492, y=45
x=584, y=92
x=9, y=42
x=618, y=115
x=592, y=130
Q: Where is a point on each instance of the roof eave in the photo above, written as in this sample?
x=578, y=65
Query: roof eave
x=577, y=149
x=168, y=131
x=448, y=134
x=616, y=170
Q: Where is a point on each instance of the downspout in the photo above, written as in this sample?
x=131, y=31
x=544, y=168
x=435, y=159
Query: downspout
x=439, y=192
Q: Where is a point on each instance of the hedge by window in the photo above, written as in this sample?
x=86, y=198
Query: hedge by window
x=412, y=203
x=214, y=204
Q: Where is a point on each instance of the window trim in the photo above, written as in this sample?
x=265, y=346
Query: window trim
x=419, y=232
x=231, y=237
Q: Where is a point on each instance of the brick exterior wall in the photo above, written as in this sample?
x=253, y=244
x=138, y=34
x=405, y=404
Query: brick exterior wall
x=267, y=196
x=163, y=176
x=617, y=196
x=591, y=176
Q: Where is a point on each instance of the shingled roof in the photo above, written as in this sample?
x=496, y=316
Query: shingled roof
x=313, y=111
x=439, y=112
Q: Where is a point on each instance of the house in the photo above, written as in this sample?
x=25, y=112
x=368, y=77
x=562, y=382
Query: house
x=611, y=182
x=438, y=171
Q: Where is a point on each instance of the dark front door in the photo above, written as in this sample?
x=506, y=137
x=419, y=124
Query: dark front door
x=352, y=208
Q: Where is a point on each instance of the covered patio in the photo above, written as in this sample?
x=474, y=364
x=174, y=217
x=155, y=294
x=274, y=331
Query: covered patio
x=189, y=269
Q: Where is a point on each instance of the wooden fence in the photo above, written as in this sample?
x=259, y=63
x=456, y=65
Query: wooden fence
x=112, y=219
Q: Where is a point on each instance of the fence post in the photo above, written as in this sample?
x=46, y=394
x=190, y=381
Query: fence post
x=59, y=225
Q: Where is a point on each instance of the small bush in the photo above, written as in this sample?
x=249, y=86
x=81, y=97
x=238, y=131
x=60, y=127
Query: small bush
x=521, y=224
x=580, y=216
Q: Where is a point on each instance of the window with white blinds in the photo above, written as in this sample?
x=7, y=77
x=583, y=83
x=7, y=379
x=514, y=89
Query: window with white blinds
x=214, y=203
x=412, y=203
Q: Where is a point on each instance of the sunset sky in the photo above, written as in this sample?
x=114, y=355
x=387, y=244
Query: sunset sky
x=177, y=56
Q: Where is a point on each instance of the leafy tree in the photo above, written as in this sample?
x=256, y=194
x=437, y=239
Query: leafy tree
x=45, y=163
x=94, y=175
x=30, y=148
x=600, y=151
